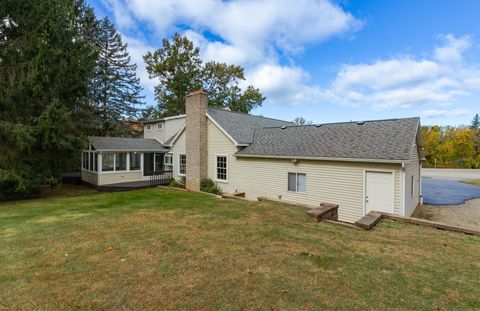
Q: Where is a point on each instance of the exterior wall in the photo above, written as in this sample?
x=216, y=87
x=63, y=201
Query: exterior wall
x=196, y=138
x=89, y=177
x=170, y=128
x=220, y=144
x=178, y=148
x=412, y=169
x=107, y=178
x=326, y=181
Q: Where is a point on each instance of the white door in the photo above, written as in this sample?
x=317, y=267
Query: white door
x=379, y=192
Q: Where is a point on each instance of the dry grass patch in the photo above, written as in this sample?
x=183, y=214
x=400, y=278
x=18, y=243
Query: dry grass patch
x=167, y=249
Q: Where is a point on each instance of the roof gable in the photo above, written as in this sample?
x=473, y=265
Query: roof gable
x=383, y=140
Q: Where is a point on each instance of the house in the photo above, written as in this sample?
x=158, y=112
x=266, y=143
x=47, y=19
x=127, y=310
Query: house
x=362, y=166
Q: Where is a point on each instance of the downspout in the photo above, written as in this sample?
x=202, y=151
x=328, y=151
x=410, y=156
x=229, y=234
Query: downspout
x=420, y=192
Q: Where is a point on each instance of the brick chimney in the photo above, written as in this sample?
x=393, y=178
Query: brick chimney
x=196, y=138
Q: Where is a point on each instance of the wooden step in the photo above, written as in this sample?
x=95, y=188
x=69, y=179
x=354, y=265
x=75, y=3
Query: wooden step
x=369, y=221
x=239, y=194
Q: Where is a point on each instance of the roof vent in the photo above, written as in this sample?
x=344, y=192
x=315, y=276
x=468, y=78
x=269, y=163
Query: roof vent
x=360, y=122
x=283, y=127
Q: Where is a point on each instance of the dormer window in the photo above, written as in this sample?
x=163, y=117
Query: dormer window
x=149, y=127
x=159, y=126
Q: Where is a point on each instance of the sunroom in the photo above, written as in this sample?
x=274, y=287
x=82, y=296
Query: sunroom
x=114, y=160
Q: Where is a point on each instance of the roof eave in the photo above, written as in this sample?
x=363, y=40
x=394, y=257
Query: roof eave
x=321, y=158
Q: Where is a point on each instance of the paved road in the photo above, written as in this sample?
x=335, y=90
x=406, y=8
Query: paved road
x=452, y=174
x=442, y=187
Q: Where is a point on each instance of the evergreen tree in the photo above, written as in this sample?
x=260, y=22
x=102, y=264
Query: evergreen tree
x=115, y=86
x=178, y=66
x=475, y=128
x=47, y=58
x=475, y=122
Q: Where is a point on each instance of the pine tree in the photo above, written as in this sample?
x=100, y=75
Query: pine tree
x=115, y=87
x=475, y=122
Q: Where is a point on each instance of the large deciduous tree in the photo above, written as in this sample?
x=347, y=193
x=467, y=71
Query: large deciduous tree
x=179, y=68
x=115, y=86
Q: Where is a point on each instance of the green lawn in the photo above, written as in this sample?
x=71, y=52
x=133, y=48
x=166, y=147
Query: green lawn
x=475, y=182
x=168, y=249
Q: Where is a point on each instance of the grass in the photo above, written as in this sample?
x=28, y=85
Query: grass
x=475, y=182
x=169, y=249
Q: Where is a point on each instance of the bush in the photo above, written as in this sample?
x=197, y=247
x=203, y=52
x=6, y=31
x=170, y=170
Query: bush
x=208, y=185
x=17, y=186
x=178, y=183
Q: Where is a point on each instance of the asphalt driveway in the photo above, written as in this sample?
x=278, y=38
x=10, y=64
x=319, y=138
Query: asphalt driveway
x=442, y=186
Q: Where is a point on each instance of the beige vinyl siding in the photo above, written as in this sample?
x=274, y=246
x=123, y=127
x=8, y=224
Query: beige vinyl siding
x=89, y=177
x=170, y=128
x=107, y=178
x=412, y=169
x=178, y=148
x=326, y=181
x=220, y=144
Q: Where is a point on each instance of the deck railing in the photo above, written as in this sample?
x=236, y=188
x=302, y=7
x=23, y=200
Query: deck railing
x=161, y=177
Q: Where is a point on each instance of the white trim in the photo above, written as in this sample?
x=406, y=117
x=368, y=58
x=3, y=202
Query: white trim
x=223, y=130
x=216, y=167
x=420, y=188
x=296, y=182
x=180, y=164
x=160, y=128
x=320, y=158
x=177, y=136
x=164, y=119
x=129, y=162
x=365, y=186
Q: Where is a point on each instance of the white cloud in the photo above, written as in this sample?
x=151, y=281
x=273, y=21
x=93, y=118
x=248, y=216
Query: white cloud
x=445, y=113
x=284, y=84
x=406, y=82
x=453, y=50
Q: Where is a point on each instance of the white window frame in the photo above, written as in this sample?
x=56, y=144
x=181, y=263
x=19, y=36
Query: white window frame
x=129, y=159
x=296, y=182
x=148, y=127
x=180, y=164
x=160, y=126
x=87, y=161
x=115, y=162
x=226, y=168
x=168, y=156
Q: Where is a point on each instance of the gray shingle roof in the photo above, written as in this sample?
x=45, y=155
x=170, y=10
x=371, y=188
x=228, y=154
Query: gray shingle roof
x=126, y=144
x=242, y=125
x=374, y=140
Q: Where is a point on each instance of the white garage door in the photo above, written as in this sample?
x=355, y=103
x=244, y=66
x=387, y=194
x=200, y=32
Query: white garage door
x=379, y=192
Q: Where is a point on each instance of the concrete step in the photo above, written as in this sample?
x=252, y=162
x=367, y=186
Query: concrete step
x=369, y=221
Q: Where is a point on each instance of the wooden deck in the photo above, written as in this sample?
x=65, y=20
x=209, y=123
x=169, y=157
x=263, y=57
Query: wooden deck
x=157, y=179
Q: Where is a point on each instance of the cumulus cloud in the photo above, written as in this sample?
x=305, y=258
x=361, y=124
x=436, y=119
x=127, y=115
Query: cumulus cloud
x=445, y=113
x=406, y=82
x=453, y=49
x=250, y=33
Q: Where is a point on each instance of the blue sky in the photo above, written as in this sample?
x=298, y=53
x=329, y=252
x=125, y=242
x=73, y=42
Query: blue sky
x=326, y=60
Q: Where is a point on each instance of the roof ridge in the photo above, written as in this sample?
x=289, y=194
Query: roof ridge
x=248, y=114
x=344, y=122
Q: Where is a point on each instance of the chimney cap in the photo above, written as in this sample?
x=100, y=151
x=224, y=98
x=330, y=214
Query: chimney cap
x=200, y=91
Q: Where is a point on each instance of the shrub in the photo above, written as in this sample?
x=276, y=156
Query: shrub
x=178, y=183
x=208, y=185
x=11, y=184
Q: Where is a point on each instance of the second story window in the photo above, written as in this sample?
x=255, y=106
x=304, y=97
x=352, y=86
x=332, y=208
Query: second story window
x=149, y=127
x=159, y=126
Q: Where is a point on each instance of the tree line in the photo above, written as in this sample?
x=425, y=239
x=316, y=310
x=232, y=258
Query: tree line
x=66, y=74
x=452, y=147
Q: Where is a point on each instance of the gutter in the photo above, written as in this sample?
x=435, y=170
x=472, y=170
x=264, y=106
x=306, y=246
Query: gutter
x=320, y=158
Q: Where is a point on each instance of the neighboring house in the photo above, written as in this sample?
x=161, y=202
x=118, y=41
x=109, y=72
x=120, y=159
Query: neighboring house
x=362, y=166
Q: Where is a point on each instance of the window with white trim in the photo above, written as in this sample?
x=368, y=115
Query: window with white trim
x=168, y=161
x=221, y=168
x=121, y=161
x=160, y=126
x=108, y=161
x=148, y=127
x=297, y=182
x=89, y=162
x=135, y=161
x=182, y=167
